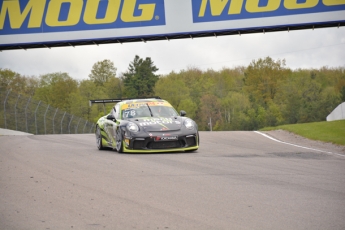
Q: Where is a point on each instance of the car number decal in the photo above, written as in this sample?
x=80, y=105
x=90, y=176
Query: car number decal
x=129, y=113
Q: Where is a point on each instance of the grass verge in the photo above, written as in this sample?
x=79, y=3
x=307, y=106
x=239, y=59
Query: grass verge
x=327, y=131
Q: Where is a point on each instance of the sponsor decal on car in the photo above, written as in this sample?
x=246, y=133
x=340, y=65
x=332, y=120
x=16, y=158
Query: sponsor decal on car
x=141, y=104
x=154, y=121
x=166, y=138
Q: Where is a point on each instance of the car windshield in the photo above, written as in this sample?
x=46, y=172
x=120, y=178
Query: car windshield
x=163, y=111
x=150, y=109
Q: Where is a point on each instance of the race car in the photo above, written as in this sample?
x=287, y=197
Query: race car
x=145, y=125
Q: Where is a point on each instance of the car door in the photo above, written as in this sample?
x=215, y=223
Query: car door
x=110, y=126
x=115, y=124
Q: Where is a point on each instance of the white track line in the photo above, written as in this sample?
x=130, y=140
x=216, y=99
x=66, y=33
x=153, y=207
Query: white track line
x=265, y=135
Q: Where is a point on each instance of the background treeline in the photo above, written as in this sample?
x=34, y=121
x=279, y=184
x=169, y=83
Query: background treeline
x=264, y=93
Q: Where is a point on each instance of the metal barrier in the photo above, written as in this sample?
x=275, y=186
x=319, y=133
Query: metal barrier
x=21, y=113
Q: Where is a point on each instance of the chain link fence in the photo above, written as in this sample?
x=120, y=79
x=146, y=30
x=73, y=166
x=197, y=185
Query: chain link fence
x=25, y=114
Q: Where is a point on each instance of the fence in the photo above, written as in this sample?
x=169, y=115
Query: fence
x=28, y=115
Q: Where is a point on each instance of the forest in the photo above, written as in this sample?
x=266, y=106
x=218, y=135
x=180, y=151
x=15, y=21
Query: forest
x=264, y=93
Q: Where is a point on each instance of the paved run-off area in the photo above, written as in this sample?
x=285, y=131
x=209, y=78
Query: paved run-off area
x=236, y=180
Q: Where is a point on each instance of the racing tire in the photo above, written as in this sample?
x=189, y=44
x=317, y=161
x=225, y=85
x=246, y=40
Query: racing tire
x=99, y=138
x=119, y=141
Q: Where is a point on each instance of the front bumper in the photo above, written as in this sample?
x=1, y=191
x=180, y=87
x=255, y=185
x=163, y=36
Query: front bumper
x=161, y=142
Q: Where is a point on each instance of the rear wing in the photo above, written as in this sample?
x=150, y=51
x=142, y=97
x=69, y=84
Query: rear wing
x=103, y=101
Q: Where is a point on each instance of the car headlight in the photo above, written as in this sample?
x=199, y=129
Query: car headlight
x=188, y=123
x=132, y=127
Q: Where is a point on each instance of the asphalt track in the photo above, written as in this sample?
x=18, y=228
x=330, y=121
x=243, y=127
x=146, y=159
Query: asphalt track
x=236, y=180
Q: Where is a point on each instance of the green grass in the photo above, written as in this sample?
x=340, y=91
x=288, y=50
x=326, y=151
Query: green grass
x=327, y=131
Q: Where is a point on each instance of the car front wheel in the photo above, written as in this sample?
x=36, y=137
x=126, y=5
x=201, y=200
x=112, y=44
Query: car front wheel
x=99, y=138
x=119, y=140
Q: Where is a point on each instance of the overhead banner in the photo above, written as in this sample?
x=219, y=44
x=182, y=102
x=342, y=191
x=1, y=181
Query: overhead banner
x=49, y=23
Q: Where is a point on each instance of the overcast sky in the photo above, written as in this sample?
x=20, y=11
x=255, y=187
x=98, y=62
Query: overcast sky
x=301, y=49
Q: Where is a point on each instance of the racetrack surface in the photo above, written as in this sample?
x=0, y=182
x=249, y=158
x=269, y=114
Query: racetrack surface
x=236, y=180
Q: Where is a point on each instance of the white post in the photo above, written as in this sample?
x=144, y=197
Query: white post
x=210, y=124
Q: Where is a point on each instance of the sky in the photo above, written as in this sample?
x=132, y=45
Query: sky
x=300, y=49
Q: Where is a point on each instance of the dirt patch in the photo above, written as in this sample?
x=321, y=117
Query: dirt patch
x=292, y=138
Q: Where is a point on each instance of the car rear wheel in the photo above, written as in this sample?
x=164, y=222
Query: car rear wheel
x=119, y=141
x=99, y=138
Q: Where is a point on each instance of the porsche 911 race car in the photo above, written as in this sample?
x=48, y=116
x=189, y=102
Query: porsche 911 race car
x=145, y=125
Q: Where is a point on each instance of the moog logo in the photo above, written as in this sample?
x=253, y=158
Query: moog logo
x=33, y=16
x=219, y=10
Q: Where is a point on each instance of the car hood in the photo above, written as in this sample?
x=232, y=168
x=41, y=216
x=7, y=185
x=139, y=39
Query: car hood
x=154, y=124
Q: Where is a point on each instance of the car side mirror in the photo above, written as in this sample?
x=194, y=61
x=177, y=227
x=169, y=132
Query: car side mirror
x=183, y=113
x=111, y=117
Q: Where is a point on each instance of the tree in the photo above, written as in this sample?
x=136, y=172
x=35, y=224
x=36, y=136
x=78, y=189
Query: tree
x=210, y=109
x=172, y=89
x=329, y=100
x=7, y=77
x=274, y=115
x=139, y=80
x=189, y=106
x=113, y=87
x=194, y=79
x=102, y=71
x=341, y=88
x=224, y=81
x=233, y=107
x=79, y=100
x=262, y=78
x=55, y=89
x=342, y=92
x=10, y=80
x=302, y=98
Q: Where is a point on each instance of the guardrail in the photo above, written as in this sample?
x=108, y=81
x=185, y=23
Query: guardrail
x=25, y=114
